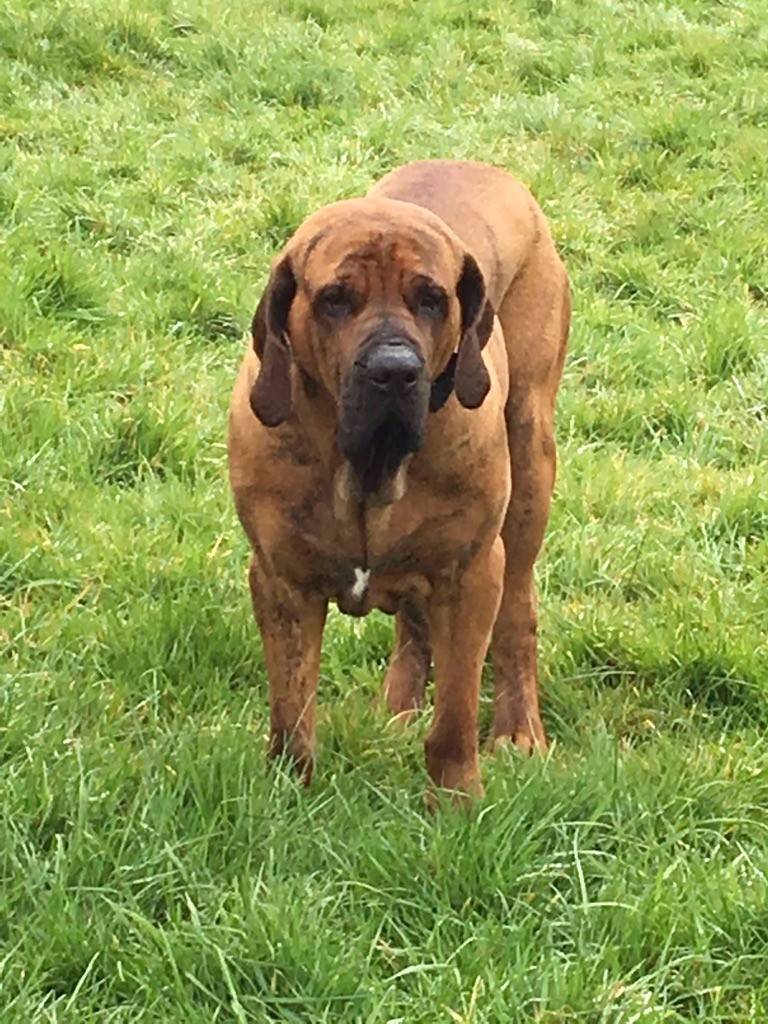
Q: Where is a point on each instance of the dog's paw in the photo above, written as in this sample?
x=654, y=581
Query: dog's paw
x=294, y=748
x=525, y=740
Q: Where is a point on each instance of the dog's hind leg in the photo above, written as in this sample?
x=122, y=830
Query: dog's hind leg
x=535, y=316
x=411, y=661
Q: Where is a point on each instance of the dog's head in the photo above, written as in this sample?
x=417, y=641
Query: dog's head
x=378, y=303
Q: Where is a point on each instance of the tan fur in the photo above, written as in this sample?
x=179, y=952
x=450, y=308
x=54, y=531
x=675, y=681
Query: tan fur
x=450, y=542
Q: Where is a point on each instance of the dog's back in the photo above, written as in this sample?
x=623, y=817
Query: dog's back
x=493, y=214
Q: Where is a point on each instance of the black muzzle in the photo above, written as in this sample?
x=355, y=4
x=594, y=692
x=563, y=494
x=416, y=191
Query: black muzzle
x=384, y=408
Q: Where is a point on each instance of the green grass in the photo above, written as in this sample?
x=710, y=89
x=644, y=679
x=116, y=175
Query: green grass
x=155, y=154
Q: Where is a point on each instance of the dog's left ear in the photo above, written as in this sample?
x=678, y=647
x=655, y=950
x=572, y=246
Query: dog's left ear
x=472, y=382
x=271, y=394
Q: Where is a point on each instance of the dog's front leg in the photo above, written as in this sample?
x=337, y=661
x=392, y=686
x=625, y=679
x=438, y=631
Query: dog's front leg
x=461, y=616
x=291, y=624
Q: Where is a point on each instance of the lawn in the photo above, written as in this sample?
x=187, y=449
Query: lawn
x=154, y=156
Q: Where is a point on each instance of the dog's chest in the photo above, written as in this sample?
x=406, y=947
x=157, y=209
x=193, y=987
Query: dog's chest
x=344, y=565
x=377, y=558
x=373, y=555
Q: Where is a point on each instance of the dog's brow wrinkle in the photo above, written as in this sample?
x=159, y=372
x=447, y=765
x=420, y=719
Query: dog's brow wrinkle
x=313, y=244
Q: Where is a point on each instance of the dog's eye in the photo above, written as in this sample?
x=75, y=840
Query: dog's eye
x=430, y=302
x=336, y=301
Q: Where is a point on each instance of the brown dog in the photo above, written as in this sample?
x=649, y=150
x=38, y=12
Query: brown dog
x=391, y=446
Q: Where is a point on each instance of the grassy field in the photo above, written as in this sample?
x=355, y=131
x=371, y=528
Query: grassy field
x=155, y=154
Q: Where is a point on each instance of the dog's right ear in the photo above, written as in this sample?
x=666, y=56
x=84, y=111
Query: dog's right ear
x=271, y=394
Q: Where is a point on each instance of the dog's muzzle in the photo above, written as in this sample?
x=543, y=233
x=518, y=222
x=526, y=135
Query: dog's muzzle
x=384, y=408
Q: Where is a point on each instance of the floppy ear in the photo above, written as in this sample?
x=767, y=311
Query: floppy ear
x=271, y=394
x=471, y=377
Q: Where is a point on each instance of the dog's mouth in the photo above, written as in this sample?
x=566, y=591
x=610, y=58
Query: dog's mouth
x=383, y=410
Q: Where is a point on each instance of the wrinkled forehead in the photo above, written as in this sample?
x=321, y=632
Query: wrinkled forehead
x=361, y=237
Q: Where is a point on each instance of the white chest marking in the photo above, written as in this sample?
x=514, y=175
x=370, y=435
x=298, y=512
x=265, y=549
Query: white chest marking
x=359, y=587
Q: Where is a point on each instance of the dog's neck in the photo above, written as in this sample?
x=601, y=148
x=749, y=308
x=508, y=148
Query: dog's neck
x=348, y=489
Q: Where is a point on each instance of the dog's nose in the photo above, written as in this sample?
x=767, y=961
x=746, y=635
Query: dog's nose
x=393, y=367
